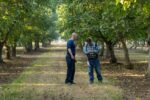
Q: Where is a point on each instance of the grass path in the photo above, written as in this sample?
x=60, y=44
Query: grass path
x=44, y=80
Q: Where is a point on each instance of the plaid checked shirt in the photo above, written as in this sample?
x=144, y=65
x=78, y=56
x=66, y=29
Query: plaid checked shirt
x=94, y=48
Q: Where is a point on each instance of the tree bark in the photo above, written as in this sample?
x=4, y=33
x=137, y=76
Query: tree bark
x=121, y=38
x=29, y=47
x=135, y=44
x=1, y=52
x=8, y=52
x=126, y=55
x=113, y=58
x=102, y=49
x=147, y=75
x=37, y=46
x=44, y=44
x=119, y=45
x=36, y=40
x=14, y=50
x=107, y=53
x=50, y=42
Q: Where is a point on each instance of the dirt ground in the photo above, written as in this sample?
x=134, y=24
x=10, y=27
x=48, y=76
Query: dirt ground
x=133, y=82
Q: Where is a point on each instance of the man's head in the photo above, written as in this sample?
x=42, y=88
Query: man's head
x=89, y=40
x=74, y=36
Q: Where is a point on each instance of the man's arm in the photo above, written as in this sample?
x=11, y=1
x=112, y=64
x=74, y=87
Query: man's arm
x=97, y=49
x=84, y=50
x=70, y=52
x=69, y=45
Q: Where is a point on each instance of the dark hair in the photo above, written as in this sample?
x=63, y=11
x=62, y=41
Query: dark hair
x=89, y=40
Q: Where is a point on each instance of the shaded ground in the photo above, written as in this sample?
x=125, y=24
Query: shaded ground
x=11, y=69
x=133, y=82
x=41, y=77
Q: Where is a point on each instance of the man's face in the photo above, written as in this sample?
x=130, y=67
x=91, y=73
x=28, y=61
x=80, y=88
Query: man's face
x=90, y=43
x=75, y=36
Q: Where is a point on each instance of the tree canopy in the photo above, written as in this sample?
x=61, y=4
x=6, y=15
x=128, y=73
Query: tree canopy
x=26, y=21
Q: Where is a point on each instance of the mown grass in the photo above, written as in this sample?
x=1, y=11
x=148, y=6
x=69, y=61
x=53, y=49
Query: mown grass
x=44, y=80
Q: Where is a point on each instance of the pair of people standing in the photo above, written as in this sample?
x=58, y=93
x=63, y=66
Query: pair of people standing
x=91, y=49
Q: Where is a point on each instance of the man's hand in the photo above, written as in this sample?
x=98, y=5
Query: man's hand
x=70, y=52
x=72, y=57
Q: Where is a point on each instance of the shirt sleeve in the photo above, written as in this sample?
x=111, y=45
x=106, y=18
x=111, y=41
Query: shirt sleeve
x=97, y=49
x=84, y=49
x=69, y=44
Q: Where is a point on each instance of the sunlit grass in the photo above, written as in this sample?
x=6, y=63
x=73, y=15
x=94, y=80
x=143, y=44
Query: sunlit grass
x=136, y=56
x=44, y=80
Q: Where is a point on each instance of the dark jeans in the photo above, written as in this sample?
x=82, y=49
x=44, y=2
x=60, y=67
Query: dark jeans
x=70, y=70
x=94, y=64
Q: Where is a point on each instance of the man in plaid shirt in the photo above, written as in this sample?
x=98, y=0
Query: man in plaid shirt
x=91, y=49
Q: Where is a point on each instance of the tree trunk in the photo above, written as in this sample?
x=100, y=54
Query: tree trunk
x=44, y=44
x=119, y=45
x=113, y=58
x=50, y=42
x=107, y=53
x=135, y=44
x=147, y=75
x=121, y=38
x=8, y=52
x=37, y=46
x=126, y=55
x=5, y=40
x=1, y=52
x=29, y=47
x=14, y=50
x=102, y=49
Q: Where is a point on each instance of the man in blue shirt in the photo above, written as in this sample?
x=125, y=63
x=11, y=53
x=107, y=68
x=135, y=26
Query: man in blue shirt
x=70, y=59
x=91, y=49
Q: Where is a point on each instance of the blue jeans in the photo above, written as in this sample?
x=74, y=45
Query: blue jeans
x=94, y=64
x=70, y=70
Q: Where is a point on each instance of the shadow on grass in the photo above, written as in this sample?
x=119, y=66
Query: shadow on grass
x=12, y=69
